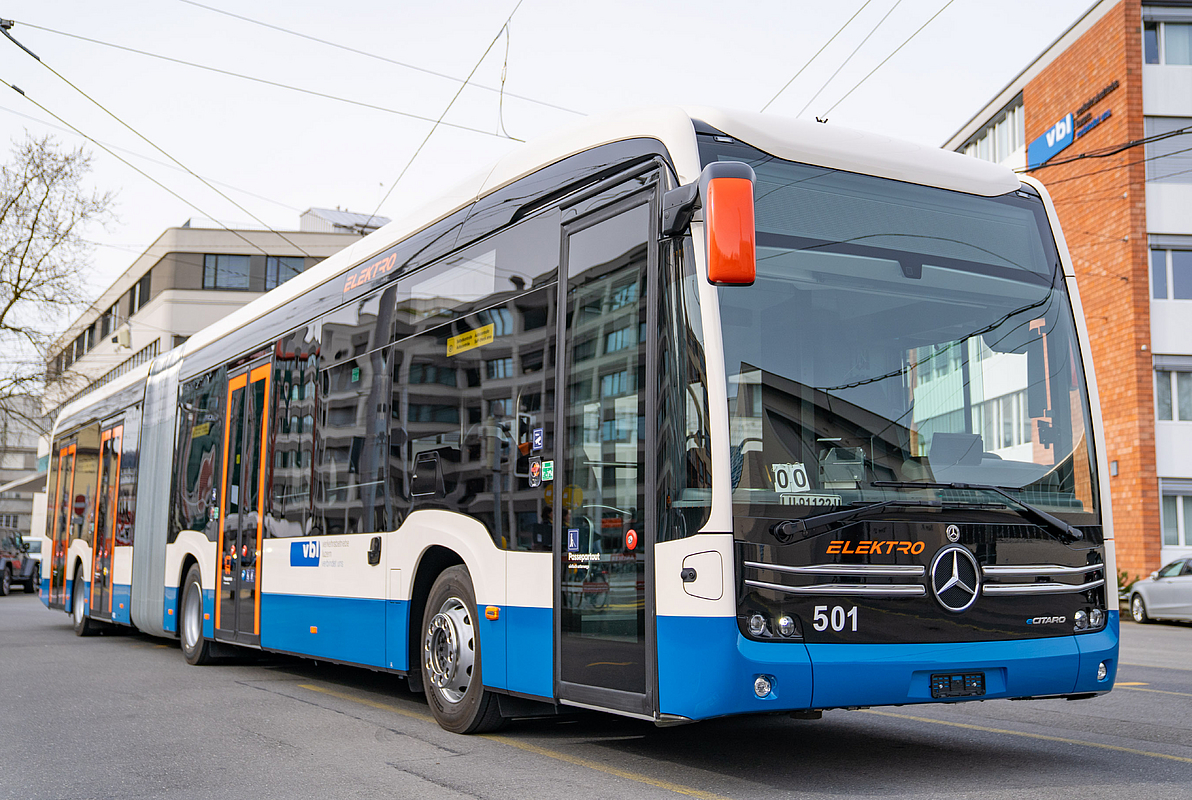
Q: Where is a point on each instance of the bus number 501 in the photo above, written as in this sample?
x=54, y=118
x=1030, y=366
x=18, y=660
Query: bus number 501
x=839, y=617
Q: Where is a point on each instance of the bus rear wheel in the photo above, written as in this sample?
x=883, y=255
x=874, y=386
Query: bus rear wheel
x=196, y=648
x=450, y=657
x=83, y=625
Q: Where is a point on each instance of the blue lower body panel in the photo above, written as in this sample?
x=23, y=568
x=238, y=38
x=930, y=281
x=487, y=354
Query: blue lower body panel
x=706, y=668
x=169, y=611
x=122, y=603
x=336, y=628
x=530, y=651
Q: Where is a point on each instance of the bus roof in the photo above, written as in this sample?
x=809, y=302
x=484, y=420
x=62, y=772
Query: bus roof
x=796, y=140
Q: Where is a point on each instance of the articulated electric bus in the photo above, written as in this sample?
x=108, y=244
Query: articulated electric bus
x=678, y=415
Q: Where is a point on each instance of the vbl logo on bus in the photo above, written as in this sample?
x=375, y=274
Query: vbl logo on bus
x=304, y=554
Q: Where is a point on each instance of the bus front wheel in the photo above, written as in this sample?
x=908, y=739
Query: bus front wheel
x=450, y=657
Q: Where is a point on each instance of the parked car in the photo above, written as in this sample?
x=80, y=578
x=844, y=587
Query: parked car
x=1166, y=594
x=15, y=564
x=33, y=568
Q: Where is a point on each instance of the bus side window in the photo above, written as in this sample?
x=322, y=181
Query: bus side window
x=197, y=460
x=352, y=422
x=295, y=376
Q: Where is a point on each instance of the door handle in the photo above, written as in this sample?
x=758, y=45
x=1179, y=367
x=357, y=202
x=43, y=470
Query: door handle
x=374, y=551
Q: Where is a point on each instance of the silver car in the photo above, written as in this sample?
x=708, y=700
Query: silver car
x=1167, y=594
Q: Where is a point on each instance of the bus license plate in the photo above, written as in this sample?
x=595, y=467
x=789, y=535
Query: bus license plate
x=958, y=684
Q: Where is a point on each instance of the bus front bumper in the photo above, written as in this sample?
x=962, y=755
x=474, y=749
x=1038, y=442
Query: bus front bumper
x=706, y=668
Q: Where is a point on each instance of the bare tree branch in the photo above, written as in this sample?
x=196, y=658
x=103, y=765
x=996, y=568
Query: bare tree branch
x=44, y=207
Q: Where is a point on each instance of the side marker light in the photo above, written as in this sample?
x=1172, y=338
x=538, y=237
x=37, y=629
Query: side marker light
x=492, y=613
x=314, y=629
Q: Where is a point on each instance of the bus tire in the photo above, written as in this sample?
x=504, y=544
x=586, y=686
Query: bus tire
x=196, y=648
x=1138, y=610
x=450, y=657
x=83, y=625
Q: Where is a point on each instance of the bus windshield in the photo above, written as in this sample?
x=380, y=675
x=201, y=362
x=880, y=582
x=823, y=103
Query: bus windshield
x=901, y=335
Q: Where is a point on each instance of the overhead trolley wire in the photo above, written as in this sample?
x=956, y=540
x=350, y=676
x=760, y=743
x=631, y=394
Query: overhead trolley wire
x=159, y=149
x=150, y=160
x=133, y=167
x=850, y=58
x=887, y=58
x=265, y=81
x=378, y=57
x=435, y=127
x=1084, y=175
x=814, y=57
x=1113, y=149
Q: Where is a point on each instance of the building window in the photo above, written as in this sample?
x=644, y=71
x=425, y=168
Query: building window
x=8, y=520
x=1173, y=395
x=1177, y=516
x=225, y=272
x=1169, y=160
x=138, y=296
x=1171, y=274
x=1001, y=138
x=1167, y=43
x=278, y=269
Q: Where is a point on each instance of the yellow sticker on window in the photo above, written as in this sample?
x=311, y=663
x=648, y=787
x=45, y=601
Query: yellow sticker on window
x=470, y=340
x=200, y=430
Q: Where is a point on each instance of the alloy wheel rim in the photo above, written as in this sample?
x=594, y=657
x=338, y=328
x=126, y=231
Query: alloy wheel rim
x=449, y=650
x=77, y=597
x=190, y=618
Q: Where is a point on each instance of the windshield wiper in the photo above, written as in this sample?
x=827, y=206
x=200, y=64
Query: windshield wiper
x=1054, y=525
x=790, y=529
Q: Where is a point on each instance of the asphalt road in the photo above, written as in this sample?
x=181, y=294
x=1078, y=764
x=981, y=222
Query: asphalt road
x=123, y=716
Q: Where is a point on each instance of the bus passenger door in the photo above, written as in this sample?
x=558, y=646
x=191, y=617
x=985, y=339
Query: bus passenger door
x=60, y=530
x=603, y=525
x=105, y=521
x=241, y=521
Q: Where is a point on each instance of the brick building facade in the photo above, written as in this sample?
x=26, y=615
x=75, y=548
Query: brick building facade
x=1074, y=119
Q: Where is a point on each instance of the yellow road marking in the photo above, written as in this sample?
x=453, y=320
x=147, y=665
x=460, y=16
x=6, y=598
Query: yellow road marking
x=1039, y=736
x=1156, y=691
x=596, y=765
x=1134, y=683
x=1154, y=666
x=637, y=777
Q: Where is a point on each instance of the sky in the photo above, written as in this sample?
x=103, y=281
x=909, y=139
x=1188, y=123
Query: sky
x=277, y=152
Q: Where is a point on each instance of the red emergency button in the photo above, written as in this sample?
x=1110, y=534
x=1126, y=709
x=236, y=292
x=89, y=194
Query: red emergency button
x=630, y=539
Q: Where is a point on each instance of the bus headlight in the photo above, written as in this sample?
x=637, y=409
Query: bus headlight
x=1096, y=618
x=786, y=626
x=762, y=686
x=757, y=625
x=1103, y=670
x=1082, y=619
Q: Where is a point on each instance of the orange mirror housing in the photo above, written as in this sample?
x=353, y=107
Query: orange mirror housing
x=726, y=189
x=725, y=193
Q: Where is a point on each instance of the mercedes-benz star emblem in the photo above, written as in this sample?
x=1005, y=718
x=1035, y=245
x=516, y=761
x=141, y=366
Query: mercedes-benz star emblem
x=955, y=578
x=953, y=532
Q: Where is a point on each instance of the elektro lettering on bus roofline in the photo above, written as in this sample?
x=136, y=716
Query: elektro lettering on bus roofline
x=591, y=310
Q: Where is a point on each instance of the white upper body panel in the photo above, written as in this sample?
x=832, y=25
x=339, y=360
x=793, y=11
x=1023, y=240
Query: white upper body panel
x=808, y=142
